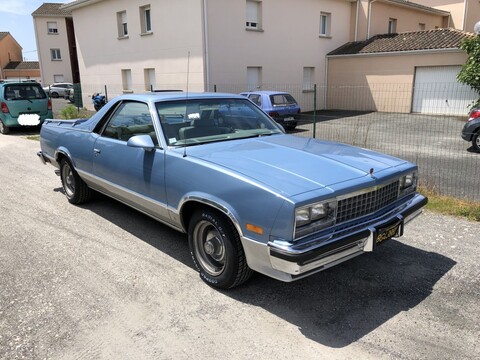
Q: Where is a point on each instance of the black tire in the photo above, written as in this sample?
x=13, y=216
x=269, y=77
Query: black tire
x=4, y=129
x=476, y=141
x=76, y=191
x=54, y=95
x=216, y=250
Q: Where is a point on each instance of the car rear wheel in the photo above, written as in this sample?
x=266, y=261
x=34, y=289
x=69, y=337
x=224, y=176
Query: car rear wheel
x=216, y=250
x=4, y=129
x=76, y=191
x=54, y=94
x=476, y=141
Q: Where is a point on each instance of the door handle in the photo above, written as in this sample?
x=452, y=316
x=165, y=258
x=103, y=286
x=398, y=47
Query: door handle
x=96, y=151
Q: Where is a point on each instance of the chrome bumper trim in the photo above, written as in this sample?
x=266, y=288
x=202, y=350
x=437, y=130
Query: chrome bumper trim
x=302, y=262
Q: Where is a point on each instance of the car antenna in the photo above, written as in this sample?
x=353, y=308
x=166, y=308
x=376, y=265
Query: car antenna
x=186, y=105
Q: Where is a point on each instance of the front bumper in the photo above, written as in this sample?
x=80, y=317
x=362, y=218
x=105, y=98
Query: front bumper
x=291, y=260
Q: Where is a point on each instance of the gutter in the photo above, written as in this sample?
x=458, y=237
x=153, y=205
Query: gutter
x=78, y=4
x=399, y=53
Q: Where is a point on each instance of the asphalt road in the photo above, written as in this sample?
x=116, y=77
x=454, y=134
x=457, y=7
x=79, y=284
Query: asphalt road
x=101, y=281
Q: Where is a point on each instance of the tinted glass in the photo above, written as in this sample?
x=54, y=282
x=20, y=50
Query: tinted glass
x=24, y=92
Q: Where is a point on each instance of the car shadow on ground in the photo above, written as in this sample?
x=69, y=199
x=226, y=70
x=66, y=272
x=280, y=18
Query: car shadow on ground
x=335, y=307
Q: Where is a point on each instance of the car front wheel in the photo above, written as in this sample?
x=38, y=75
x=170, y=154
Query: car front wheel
x=476, y=141
x=216, y=250
x=76, y=190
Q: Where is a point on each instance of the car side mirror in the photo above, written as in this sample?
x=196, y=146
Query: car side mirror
x=141, y=141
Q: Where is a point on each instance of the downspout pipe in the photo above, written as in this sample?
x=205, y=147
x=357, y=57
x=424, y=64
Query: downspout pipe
x=205, y=46
x=369, y=17
x=356, y=20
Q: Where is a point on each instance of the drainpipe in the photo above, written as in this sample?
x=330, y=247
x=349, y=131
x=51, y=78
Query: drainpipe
x=205, y=44
x=465, y=5
x=356, y=21
x=325, y=92
x=369, y=16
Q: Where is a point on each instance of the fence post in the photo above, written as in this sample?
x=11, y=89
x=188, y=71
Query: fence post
x=106, y=94
x=314, y=110
x=215, y=88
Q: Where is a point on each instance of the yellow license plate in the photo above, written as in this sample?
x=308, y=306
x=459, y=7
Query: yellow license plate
x=387, y=233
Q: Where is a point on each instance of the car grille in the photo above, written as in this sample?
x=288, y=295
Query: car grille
x=366, y=203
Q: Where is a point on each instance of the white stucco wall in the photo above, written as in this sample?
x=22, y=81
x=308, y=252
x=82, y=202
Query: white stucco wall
x=176, y=30
x=45, y=42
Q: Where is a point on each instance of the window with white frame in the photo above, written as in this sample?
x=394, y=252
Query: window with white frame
x=52, y=27
x=150, y=81
x=127, y=80
x=254, y=77
x=55, y=54
x=122, y=24
x=325, y=24
x=145, y=19
x=254, y=15
x=392, y=26
x=308, y=78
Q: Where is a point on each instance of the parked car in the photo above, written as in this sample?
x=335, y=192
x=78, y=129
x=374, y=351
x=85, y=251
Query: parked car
x=23, y=104
x=58, y=89
x=70, y=95
x=471, y=129
x=250, y=197
x=281, y=106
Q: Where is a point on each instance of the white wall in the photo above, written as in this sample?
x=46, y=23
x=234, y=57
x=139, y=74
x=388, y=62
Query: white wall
x=45, y=42
x=176, y=30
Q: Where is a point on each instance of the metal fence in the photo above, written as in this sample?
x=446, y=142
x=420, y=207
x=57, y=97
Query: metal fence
x=446, y=162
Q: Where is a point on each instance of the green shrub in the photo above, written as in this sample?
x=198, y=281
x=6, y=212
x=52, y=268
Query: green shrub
x=69, y=112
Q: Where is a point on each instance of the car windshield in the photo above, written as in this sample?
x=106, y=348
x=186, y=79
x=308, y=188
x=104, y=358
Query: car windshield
x=197, y=121
x=24, y=92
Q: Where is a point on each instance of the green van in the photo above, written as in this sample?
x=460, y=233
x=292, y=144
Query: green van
x=23, y=104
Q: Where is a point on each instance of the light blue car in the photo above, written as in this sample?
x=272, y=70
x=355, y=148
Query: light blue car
x=250, y=197
x=281, y=106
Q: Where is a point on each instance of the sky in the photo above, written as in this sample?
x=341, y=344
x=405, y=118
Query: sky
x=16, y=18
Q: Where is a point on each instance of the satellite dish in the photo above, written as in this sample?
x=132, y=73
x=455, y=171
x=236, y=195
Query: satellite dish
x=476, y=28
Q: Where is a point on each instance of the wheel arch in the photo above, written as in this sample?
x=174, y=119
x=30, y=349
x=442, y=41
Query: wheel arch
x=194, y=203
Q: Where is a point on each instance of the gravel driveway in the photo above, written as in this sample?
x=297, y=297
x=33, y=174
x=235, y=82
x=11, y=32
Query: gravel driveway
x=101, y=281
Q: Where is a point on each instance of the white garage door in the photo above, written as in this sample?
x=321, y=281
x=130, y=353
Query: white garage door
x=437, y=91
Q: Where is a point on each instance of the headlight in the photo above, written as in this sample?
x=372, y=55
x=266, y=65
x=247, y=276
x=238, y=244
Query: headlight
x=314, y=217
x=408, y=183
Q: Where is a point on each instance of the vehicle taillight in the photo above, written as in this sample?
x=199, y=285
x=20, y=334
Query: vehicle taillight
x=274, y=114
x=475, y=114
x=49, y=104
x=5, y=108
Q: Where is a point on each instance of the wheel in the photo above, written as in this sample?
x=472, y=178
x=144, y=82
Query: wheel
x=476, y=141
x=54, y=94
x=76, y=190
x=4, y=129
x=216, y=250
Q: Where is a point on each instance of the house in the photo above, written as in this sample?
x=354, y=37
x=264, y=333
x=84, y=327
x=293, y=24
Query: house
x=12, y=66
x=55, y=37
x=406, y=72
x=236, y=45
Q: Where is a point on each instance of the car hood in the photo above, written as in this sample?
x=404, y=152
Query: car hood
x=292, y=165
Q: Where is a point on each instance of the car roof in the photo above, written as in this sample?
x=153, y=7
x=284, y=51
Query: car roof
x=265, y=92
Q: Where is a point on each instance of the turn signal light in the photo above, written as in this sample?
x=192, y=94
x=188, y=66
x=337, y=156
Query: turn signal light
x=49, y=104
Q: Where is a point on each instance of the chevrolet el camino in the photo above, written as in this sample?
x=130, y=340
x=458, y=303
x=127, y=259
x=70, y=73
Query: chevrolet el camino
x=250, y=197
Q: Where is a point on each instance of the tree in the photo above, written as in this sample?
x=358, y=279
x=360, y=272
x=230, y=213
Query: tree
x=470, y=72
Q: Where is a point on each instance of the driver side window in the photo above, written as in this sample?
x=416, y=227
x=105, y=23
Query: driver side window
x=130, y=119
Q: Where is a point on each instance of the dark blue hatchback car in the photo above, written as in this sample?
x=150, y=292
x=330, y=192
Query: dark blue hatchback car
x=281, y=106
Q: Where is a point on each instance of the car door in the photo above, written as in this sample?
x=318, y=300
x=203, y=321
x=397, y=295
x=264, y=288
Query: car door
x=130, y=174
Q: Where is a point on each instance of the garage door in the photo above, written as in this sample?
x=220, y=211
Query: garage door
x=437, y=91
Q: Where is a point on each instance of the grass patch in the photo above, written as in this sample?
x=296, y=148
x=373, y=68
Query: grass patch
x=448, y=205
